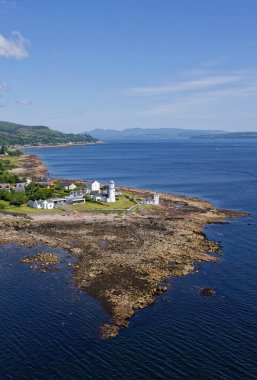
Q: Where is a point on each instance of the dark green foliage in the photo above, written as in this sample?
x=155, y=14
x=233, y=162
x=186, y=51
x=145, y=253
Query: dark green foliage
x=3, y=149
x=5, y=195
x=15, y=198
x=18, y=198
x=13, y=153
x=5, y=176
x=37, y=191
x=17, y=134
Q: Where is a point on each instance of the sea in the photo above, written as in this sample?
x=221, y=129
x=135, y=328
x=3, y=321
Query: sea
x=50, y=328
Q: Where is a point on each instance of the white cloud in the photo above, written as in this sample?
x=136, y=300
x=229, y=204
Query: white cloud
x=186, y=86
x=14, y=46
x=24, y=102
x=3, y=86
x=210, y=89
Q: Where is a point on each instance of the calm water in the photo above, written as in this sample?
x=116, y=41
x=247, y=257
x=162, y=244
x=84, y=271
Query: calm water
x=49, y=329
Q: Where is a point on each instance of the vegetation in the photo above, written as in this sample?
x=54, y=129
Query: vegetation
x=36, y=191
x=122, y=203
x=5, y=176
x=18, y=134
x=14, y=153
x=26, y=209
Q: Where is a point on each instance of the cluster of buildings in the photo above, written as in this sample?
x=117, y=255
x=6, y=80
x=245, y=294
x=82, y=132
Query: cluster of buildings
x=92, y=190
x=20, y=186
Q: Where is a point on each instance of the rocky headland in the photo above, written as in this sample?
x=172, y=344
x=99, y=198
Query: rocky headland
x=124, y=259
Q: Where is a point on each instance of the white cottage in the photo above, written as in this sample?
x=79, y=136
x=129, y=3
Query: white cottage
x=68, y=185
x=39, y=204
x=93, y=185
x=154, y=200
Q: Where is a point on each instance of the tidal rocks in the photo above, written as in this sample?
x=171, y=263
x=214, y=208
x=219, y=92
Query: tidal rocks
x=43, y=261
x=140, y=251
x=208, y=292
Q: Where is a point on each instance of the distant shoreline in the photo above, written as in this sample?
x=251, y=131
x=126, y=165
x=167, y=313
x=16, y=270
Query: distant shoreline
x=57, y=146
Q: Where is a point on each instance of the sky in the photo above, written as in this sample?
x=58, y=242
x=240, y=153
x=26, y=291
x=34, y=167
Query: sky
x=77, y=65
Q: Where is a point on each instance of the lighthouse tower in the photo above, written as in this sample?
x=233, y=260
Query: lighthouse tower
x=156, y=199
x=111, y=192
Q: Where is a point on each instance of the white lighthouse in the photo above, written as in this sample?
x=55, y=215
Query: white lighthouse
x=111, y=192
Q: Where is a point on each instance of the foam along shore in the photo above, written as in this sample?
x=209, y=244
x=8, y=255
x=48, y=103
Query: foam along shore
x=125, y=259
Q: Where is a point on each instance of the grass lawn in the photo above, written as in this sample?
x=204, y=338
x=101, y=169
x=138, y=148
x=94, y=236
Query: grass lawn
x=122, y=203
x=27, y=210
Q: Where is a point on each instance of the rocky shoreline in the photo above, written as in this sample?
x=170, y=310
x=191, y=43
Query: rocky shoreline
x=125, y=259
x=30, y=165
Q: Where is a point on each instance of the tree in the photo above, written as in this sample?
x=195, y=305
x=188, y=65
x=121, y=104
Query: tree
x=18, y=198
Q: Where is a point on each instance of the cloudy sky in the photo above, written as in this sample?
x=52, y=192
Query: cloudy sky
x=76, y=65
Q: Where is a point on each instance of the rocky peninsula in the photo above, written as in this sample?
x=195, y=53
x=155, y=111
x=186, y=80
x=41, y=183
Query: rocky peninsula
x=123, y=259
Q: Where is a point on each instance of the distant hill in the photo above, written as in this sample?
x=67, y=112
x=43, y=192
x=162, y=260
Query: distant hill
x=231, y=135
x=148, y=133
x=18, y=134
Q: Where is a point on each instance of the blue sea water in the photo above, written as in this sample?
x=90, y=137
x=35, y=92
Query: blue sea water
x=49, y=328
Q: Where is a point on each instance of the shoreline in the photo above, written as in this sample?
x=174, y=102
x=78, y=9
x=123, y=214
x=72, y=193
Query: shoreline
x=125, y=260
x=57, y=146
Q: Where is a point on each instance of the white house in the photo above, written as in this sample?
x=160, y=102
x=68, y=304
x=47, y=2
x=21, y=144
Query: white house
x=68, y=185
x=154, y=200
x=45, y=205
x=93, y=185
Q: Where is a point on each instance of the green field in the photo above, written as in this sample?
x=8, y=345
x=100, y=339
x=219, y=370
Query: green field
x=122, y=203
x=27, y=210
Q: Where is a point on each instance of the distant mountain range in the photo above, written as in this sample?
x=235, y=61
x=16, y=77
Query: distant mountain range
x=148, y=133
x=231, y=135
x=18, y=134
x=167, y=133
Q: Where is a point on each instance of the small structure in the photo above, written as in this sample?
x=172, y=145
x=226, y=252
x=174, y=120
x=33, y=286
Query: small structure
x=77, y=193
x=68, y=185
x=58, y=201
x=28, y=180
x=93, y=185
x=111, y=193
x=20, y=186
x=39, y=204
x=5, y=186
x=154, y=200
x=97, y=198
x=71, y=200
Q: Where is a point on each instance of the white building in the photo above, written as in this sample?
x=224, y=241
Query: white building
x=154, y=200
x=68, y=185
x=28, y=180
x=93, y=185
x=45, y=205
x=20, y=186
x=70, y=200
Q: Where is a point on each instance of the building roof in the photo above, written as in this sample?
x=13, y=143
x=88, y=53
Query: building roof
x=66, y=184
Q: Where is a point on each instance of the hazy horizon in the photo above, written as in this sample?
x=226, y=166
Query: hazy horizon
x=78, y=66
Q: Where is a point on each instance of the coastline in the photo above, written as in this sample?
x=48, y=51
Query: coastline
x=58, y=145
x=125, y=260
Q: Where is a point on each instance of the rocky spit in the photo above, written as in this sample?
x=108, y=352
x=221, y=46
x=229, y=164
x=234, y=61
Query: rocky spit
x=125, y=259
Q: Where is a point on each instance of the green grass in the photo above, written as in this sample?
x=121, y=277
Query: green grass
x=122, y=203
x=27, y=210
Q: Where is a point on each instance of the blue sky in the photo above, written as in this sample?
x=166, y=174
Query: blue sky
x=76, y=65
